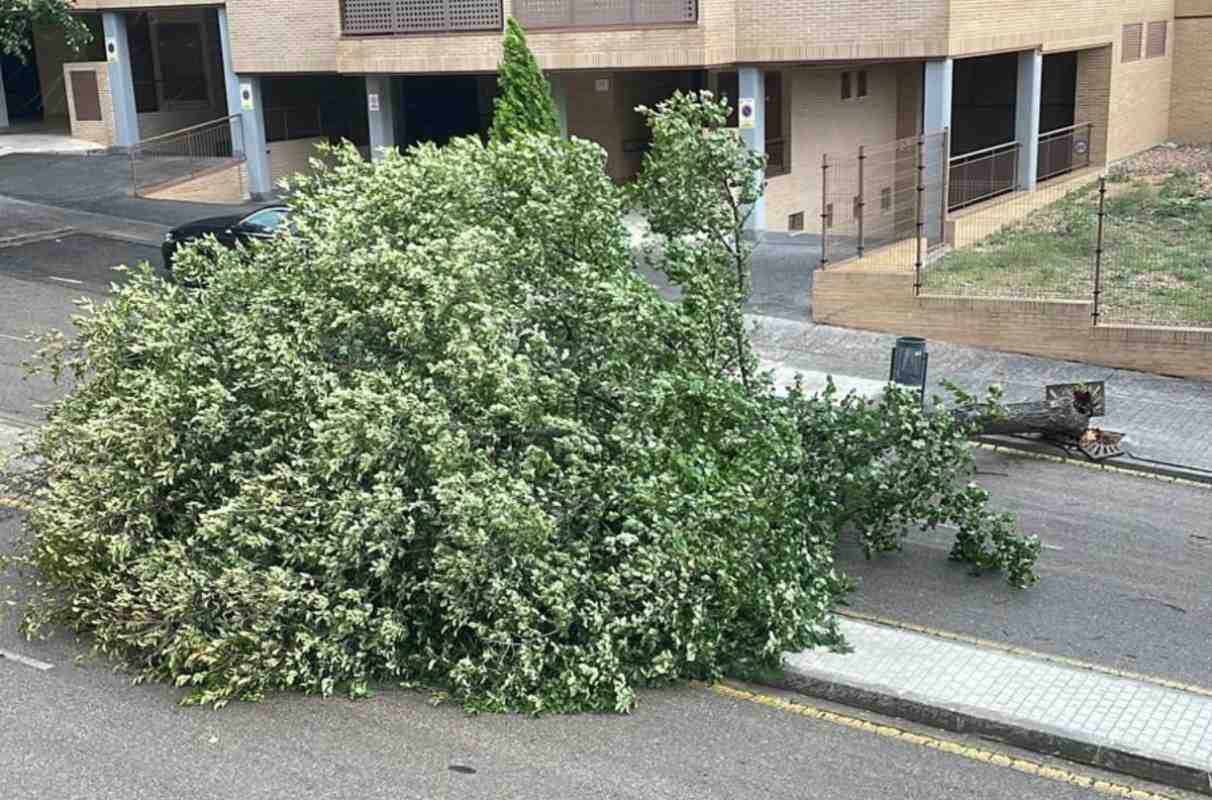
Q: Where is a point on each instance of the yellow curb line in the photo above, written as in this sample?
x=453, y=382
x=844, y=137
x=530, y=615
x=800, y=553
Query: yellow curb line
x=1101, y=467
x=1022, y=651
x=952, y=747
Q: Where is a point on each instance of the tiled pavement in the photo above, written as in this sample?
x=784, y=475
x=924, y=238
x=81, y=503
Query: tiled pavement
x=1123, y=723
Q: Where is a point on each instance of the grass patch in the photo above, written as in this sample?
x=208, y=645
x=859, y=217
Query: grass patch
x=1157, y=259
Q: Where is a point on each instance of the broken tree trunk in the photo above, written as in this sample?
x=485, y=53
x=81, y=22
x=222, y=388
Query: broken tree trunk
x=1064, y=417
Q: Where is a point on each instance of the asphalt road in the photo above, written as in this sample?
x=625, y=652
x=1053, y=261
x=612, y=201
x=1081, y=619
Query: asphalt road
x=1126, y=573
x=39, y=286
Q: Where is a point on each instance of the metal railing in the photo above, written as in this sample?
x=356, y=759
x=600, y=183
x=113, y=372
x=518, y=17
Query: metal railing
x=185, y=153
x=983, y=174
x=537, y=14
x=377, y=17
x=1064, y=150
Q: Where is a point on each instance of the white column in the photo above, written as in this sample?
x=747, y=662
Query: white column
x=121, y=82
x=256, y=151
x=381, y=111
x=937, y=111
x=231, y=82
x=1026, y=115
x=3, y=104
x=751, y=88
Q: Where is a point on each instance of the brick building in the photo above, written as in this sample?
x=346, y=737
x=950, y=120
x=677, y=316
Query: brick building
x=1021, y=87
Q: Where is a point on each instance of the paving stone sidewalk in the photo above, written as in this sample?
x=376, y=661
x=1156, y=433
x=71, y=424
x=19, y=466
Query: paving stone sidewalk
x=1165, y=419
x=1125, y=724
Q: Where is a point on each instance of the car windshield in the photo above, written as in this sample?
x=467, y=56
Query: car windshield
x=266, y=220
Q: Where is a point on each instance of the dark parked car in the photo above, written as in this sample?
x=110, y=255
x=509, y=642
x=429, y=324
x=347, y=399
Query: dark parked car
x=259, y=225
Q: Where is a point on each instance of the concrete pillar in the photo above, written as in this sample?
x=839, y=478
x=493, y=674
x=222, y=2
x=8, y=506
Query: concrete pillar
x=936, y=114
x=231, y=83
x=559, y=96
x=936, y=118
x=121, y=82
x=751, y=91
x=256, y=151
x=381, y=111
x=1026, y=115
x=3, y=104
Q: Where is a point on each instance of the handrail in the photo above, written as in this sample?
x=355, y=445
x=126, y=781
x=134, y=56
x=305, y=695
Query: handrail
x=171, y=134
x=1059, y=131
x=975, y=153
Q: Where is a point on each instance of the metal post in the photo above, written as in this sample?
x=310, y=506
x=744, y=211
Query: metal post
x=1098, y=249
x=860, y=201
x=945, y=190
x=824, y=210
x=921, y=218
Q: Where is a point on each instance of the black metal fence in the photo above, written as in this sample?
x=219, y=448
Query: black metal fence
x=883, y=196
x=1135, y=249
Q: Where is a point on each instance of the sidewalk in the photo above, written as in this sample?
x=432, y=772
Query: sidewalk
x=1125, y=724
x=1165, y=419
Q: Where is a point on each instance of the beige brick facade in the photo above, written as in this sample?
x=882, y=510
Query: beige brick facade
x=1191, y=90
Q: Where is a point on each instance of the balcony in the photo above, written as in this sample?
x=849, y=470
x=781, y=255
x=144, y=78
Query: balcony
x=379, y=17
x=541, y=14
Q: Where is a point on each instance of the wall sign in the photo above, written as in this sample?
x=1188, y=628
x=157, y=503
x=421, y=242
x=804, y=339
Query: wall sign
x=111, y=49
x=246, y=97
x=601, y=85
x=746, y=112
x=372, y=102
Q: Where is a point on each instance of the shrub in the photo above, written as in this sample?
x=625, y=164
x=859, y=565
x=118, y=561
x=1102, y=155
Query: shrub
x=446, y=435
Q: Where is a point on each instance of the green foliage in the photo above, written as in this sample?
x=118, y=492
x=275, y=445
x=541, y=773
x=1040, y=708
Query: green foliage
x=524, y=104
x=18, y=17
x=447, y=435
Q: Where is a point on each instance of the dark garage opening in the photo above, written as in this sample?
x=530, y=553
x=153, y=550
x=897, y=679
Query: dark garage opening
x=438, y=109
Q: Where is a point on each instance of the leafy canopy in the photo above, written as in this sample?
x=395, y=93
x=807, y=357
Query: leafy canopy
x=524, y=104
x=18, y=17
x=445, y=434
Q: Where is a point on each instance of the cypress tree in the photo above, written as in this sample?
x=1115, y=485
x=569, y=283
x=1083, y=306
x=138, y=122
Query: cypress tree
x=524, y=104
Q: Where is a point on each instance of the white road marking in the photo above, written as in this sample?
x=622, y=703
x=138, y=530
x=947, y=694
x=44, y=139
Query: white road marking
x=65, y=280
x=29, y=662
x=21, y=339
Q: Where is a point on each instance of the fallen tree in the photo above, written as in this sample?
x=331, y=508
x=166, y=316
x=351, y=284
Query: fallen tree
x=1065, y=417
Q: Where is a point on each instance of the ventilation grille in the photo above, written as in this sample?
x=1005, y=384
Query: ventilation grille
x=1156, y=43
x=535, y=14
x=363, y=17
x=1132, y=41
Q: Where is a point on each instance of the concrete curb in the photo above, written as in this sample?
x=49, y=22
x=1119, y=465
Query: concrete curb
x=1126, y=464
x=992, y=726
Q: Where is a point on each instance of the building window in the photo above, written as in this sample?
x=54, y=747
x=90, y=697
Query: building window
x=886, y=199
x=862, y=83
x=778, y=154
x=1155, y=46
x=1132, y=41
x=847, y=91
x=795, y=222
x=828, y=215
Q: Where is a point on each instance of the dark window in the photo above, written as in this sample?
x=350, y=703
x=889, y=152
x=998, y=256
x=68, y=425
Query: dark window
x=846, y=91
x=862, y=83
x=181, y=61
x=85, y=97
x=1132, y=41
x=829, y=215
x=1155, y=46
x=795, y=222
x=729, y=90
x=778, y=160
x=886, y=199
